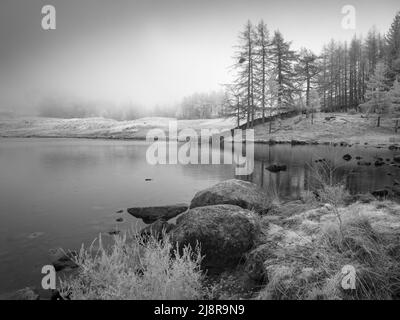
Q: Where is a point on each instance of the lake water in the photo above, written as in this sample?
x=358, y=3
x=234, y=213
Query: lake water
x=64, y=192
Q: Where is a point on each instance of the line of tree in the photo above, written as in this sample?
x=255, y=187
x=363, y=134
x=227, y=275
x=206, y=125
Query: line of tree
x=202, y=105
x=271, y=78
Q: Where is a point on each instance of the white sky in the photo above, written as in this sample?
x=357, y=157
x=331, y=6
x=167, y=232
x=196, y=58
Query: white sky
x=151, y=51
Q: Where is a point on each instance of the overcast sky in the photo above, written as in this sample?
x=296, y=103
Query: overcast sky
x=151, y=51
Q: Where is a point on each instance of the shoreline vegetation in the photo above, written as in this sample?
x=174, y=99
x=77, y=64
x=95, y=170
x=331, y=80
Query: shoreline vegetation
x=236, y=242
x=335, y=129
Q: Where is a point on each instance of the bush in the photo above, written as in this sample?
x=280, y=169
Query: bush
x=134, y=270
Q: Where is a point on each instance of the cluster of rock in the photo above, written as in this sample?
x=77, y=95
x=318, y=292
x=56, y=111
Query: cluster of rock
x=222, y=219
x=378, y=161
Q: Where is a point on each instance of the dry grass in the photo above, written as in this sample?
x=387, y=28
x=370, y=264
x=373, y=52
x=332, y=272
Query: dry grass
x=313, y=269
x=350, y=128
x=135, y=270
x=377, y=270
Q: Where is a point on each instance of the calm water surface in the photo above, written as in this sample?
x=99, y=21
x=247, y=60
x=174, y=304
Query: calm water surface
x=64, y=192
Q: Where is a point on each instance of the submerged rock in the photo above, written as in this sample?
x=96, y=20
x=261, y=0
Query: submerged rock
x=236, y=192
x=381, y=193
x=152, y=214
x=347, y=157
x=224, y=232
x=276, y=168
x=396, y=158
x=379, y=163
x=363, y=163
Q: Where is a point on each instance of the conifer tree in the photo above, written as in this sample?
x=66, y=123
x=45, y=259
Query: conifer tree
x=377, y=92
x=307, y=70
x=283, y=60
x=393, y=49
x=262, y=67
x=245, y=57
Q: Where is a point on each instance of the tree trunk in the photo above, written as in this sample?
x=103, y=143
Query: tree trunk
x=238, y=114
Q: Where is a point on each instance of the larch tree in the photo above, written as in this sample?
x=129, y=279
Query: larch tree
x=272, y=98
x=245, y=60
x=393, y=49
x=262, y=66
x=233, y=103
x=372, y=49
x=314, y=103
x=307, y=69
x=283, y=60
x=377, y=92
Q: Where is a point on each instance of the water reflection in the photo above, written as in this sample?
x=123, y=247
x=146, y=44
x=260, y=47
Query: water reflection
x=301, y=159
x=67, y=191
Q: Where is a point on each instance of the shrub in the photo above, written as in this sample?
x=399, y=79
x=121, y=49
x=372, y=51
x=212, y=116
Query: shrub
x=135, y=270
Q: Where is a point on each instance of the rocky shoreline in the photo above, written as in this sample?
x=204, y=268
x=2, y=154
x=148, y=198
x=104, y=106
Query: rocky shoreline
x=388, y=145
x=247, y=239
x=293, y=142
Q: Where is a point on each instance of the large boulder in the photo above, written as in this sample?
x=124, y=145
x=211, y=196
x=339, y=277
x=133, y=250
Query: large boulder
x=225, y=233
x=236, y=192
x=152, y=214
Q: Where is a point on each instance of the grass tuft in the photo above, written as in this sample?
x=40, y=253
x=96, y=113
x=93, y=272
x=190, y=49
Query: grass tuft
x=134, y=270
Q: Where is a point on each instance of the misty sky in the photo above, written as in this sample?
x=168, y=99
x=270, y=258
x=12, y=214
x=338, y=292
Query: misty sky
x=151, y=51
